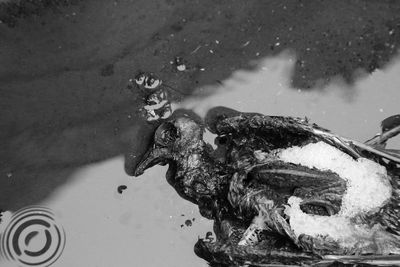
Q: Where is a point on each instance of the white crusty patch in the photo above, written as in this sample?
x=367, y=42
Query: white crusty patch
x=368, y=189
x=368, y=185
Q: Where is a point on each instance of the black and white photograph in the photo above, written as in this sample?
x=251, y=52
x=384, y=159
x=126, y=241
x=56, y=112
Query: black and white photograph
x=199, y=133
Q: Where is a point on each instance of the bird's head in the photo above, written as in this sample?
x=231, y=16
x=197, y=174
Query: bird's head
x=175, y=141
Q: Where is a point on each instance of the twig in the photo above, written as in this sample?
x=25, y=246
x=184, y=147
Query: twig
x=195, y=50
x=346, y=143
x=382, y=138
x=375, y=151
x=339, y=141
x=392, y=259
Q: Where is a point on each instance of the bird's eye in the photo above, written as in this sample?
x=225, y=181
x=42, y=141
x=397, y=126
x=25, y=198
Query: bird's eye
x=166, y=134
x=221, y=140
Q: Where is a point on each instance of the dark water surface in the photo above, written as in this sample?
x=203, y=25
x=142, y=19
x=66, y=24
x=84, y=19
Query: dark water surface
x=68, y=122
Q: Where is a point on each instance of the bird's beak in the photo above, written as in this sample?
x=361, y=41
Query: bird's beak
x=155, y=155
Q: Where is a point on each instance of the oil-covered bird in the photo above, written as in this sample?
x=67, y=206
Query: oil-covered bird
x=280, y=189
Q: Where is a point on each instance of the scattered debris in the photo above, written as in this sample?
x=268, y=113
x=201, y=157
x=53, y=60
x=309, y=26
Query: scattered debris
x=181, y=67
x=156, y=100
x=180, y=64
x=147, y=80
x=196, y=49
x=188, y=222
x=140, y=78
x=157, y=106
x=246, y=44
x=151, y=82
x=121, y=188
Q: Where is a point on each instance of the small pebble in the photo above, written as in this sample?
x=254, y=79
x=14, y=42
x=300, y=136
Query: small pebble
x=181, y=67
x=188, y=223
x=121, y=188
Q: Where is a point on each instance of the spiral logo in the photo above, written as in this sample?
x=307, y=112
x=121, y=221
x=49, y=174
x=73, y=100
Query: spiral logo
x=32, y=238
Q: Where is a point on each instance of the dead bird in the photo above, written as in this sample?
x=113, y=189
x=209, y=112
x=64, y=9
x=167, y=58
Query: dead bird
x=273, y=187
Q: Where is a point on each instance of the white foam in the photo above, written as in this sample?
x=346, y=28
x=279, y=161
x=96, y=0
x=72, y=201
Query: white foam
x=337, y=227
x=368, y=189
x=368, y=185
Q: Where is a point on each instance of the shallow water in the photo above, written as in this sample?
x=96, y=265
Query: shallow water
x=147, y=224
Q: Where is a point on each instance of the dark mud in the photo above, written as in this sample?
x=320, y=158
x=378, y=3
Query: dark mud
x=65, y=67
